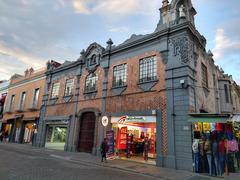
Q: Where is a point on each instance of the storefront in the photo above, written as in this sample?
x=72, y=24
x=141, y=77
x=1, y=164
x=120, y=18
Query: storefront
x=215, y=144
x=7, y=128
x=56, y=136
x=29, y=129
x=135, y=138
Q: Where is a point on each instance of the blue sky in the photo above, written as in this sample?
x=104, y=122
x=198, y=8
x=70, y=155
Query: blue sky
x=32, y=31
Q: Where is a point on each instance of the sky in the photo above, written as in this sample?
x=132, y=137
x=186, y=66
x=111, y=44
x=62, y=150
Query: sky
x=33, y=32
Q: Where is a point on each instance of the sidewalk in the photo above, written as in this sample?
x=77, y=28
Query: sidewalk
x=123, y=165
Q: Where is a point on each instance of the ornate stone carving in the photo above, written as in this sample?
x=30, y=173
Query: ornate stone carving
x=182, y=11
x=183, y=48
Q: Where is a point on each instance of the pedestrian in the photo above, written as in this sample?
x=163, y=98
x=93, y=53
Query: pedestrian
x=5, y=136
x=104, y=149
x=1, y=136
x=195, y=148
x=145, y=148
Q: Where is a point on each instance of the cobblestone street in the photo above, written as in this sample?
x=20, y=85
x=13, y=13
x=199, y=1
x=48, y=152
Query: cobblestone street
x=24, y=162
x=23, y=165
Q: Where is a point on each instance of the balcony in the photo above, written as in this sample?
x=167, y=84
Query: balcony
x=33, y=107
x=19, y=110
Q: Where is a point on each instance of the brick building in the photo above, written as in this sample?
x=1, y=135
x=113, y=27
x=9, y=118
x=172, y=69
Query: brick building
x=23, y=104
x=146, y=87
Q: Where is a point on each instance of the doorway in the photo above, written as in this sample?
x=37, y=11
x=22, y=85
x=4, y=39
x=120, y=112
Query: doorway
x=86, y=134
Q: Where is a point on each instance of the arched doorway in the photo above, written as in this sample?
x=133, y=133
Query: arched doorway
x=86, y=134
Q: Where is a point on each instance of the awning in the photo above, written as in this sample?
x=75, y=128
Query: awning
x=208, y=119
x=235, y=118
x=29, y=119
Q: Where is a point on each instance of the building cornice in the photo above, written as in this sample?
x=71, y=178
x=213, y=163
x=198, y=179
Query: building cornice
x=27, y=81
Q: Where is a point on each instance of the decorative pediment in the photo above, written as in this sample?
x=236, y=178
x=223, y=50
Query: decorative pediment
x=92, y=56
x=94, y=48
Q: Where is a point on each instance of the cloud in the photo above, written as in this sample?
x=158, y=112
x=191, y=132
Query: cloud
x=226, y=50
x=80, y=7
x=122, y=29
x=224, y=44
x=32, y=33
x=114, y=7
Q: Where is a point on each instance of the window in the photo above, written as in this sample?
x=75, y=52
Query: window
x=230, y=94
x=204, y=76
x=12, y=103
x=69, y=87
x=35, y=97
x=22, y=101
x=91, y=82
x=148, y=69
x=55, y=90
x=120, y=75
x=226, y=93
x=93, y=60
x=214, y=80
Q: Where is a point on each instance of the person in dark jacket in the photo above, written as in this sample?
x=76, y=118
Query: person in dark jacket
x=1, y=136
x=104, y=149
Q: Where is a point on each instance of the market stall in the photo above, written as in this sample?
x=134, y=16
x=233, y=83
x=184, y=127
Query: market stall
x=215, y=144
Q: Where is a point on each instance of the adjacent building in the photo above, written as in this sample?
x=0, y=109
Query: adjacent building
x=23, y=105
x=3, y=94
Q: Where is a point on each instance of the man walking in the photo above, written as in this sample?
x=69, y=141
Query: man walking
x=104, y=149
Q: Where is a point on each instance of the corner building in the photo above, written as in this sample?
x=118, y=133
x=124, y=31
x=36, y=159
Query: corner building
x=147, y=87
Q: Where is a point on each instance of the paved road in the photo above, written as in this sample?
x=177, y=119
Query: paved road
x=19, y=164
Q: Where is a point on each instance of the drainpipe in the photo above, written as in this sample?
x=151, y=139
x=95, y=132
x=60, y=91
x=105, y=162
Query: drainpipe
x=104, y=90
x=173, y=118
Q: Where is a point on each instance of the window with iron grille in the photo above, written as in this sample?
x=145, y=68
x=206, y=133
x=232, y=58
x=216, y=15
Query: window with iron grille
x=148, y=69
x=55, y=90
x=22, y=100
x=120, y=75
x=91, y=82
x=204, y=76
x=69, y=87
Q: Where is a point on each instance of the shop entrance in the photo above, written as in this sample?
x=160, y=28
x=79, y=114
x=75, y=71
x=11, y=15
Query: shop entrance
x=56, y=137
x=27, y=134
x=86, y=134
x=135, y=138
x=7, y=129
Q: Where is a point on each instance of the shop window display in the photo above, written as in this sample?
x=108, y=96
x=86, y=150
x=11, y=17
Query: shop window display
x=135, y=140
x=215, y=148
x=56, y=137
x=28, y=132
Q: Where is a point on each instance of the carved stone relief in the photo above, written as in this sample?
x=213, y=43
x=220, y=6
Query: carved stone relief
x=183, y=48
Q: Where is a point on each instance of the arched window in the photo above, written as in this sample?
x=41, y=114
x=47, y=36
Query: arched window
x=93, y=60
x=91, y=82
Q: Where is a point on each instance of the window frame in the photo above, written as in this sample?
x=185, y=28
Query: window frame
x=36, y=97
x=22, y=100
x=12, y=101
x=71, y=87
x=120, y=74
x=88, y=81
x=226, y=93
x=93, y=60
x=53, y=86
x=204, y=72
x=148, y=69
